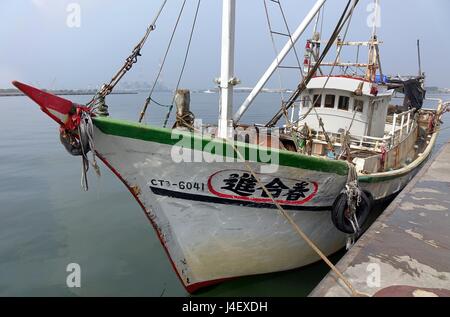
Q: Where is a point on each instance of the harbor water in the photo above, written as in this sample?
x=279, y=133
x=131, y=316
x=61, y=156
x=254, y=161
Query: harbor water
x=48, y=222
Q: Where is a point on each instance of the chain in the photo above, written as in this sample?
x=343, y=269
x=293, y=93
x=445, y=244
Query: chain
x=106, y=89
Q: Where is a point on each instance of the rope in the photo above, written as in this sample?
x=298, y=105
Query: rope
x=296, y=227
x=354, y=199
x=284, y=214
x=86, y=134
x=186, y=120
x=345, y=139
x=147, y=102
x=352, y=175
x=159, y=104
x=184, y=63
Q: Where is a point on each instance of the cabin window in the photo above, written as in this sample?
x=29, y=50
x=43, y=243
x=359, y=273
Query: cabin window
x=344, y=103
x=317, y=100
x=329, y=101
x=359, y=106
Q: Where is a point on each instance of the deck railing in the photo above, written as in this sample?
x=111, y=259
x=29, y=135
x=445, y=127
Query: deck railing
x=356, y=142
x=402, y=125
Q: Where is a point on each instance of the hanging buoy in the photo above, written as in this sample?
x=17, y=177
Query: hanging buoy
x=73, y=144
x=342, y=217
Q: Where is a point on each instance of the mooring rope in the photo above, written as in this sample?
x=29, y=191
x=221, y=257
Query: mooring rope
x=296, y=227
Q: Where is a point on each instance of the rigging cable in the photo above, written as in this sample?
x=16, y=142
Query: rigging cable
x=322, y=18
x=147, y=102
x=302, y=86
x=159, y=104
x=271, y=32
x=274, y=49
x=312, y=107
x=184, y=63
x=290, y=36
x=330, y=145
x=106, y=89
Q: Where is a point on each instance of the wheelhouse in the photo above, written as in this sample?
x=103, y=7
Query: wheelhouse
x=346, y=104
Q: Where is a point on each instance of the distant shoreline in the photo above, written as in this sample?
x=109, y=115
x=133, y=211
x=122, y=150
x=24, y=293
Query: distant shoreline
x=17, y=93
x=66, y=93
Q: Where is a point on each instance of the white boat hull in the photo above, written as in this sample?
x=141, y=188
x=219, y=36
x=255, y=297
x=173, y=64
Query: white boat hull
x=211, y=234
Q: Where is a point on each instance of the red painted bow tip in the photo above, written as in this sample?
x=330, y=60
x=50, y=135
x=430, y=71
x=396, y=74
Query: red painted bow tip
x=45, y=99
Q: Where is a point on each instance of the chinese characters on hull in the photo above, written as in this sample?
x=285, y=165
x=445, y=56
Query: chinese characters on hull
x=245, y=185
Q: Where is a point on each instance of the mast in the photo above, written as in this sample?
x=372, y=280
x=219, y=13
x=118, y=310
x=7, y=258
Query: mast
x=313, y=52
x=278, y=60
x=227, y=79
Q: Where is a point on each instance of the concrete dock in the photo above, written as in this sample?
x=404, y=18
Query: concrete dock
x=406, y=252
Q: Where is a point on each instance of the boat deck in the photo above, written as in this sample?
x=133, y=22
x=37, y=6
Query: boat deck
x=406, y=252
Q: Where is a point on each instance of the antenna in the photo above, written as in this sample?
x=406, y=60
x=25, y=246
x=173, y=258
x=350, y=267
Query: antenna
x=419, y=58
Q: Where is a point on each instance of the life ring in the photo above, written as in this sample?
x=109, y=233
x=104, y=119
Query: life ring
x=340, y=208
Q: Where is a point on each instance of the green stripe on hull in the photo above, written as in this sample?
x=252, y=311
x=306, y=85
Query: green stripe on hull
x=164, y=136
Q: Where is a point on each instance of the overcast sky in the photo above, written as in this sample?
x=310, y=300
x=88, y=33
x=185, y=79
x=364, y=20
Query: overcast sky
x=38, y=46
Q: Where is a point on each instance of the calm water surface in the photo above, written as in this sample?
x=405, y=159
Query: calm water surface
x=47, y=222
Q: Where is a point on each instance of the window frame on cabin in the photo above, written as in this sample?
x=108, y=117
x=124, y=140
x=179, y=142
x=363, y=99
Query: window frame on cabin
x=362, y=105
x=317, y=103
x=347, y=103
x=331, y=105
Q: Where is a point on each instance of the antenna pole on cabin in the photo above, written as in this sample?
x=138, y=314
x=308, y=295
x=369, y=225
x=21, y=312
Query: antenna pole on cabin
x=227, y=79
x=278, y=60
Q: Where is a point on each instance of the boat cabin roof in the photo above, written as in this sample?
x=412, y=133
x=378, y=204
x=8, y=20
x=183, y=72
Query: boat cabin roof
x=350, y=84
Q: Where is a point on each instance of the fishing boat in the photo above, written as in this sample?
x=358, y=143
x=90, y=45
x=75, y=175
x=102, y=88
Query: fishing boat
x=229, y=199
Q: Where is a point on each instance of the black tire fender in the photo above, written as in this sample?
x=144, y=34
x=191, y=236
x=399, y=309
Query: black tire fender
x=340, y=207
x=370, y=197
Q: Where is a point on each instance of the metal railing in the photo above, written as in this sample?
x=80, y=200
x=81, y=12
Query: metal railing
x=366, y=143
x=402, y=125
